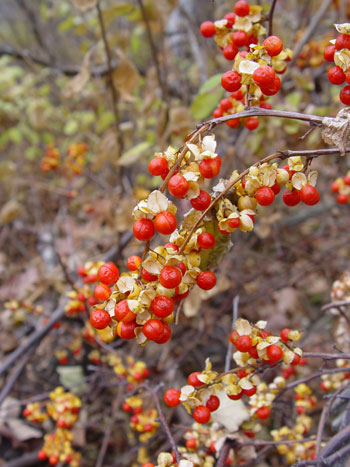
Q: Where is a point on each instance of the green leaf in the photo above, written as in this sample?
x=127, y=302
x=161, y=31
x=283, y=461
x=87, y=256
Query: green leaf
x=210, y=84
x=70, y=127
x=133, y=154
x=204, y=104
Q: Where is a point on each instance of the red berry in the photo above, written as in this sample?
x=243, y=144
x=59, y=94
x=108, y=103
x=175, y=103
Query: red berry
x=158, y=166
x=264, y=196
x=133, y=263
x=126, y=330
x=250, y=392
x=165, y=223
x=207, y=29
x=324, y=387
x=342, y=42
x=99, y=318
x=172, y=397
x=238, y=95
x=235, y=397
x=296, y=360
x=53, y=460
x=213, y=403
x=328, y=53
x=165, y=335
x=264, y=76
x=263, y=413
x=342, y=198
x=253, y=352
x=143, y=229
x=42, y=455
x=147, y=276
x=230, y=51
x=171, y=246
x=234, y=123
x=233, y=336
x=191, y=444
x=274, y=353
x=170, y=277
x=108, y=273
x=202, y=201
x=242, y=8
x=347, y=77
x=206, y=240
x=193, y=379
x=102, y=292
x=273, y=45
x=225, y=104
x=266, y=105
x=284, y=334
x=345, y=95
x=206, y=280
x=231, y=18
x=162, y=306
x=272, y=89
x=347, y=180
x=276, y=188
x=182, y=267
x=201, y=414
x=153, y=329
x=217, y=113
x=209, y=168
x=178, y=186
x=231, y=81
x=234, y=222
x=336, y=75
x=252, y=123
x=123, y=313
x=291, y=198
x=243, y=343
x=309, y=195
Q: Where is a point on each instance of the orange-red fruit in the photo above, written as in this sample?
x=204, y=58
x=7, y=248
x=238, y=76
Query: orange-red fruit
x=143, y=229
x=284, y=334
x=147, y=276
x=42, y=455
x=250, y=392
x=206, y=240
x=53, y=460
x=102, y=292
x=234, y=222
x=336, y=75
x=165, y=223
x=243, y=343
x=148, y=464
x=233, y=123
x=191, y=444
x=201, y=414
x=274, y=353
x=240, y=39
x=202, y=201
x=342, y=198
x=206, y=280
x=108, y=273
x=162, y=306
x=133, y=263
x=252, y=123
x=153, y=329
x=225, y=104
x=347, y=180
x=276, y=188
x=99, y=318
x=178, y=186
x=309, y=195
x=126, y=330
x=231, y=18
x=342, y=42
x=193, y=379
x=328, y=53
x=242, y=8
x=207, y=29
x=264, y=75
x=263, y=413
x=213, y=403
x=291, y=198
x=158, y=166
x=231, y=81
x=209, y=168
x=273, y=45
x=235, y=397
x=165, y=335
x=230, y=51
x=123, y=313
x=170, y=277
x=172, y=397
x=264, y=195
x=345, y=95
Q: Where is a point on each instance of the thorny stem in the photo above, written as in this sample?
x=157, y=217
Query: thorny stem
x=154, y=392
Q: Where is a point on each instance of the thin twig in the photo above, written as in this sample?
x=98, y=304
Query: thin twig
x=270, y=18
x=335, y=305
x=230, y=345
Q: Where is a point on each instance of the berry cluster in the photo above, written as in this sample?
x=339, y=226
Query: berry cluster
x=78, y=298
x=341, y=187
x=142, y=420
x=338, y=52
x=304, y=400
x=134, y=372
x=337, y=380
x=312, y=52
x=19, y=310
x=255, y=347
x=72, y=165
x=253, y=75
x=88, y=271
x=63, y=410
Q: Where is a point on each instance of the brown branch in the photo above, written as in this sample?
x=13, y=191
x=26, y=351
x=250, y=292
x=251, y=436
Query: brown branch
x=326, y=356
x=270, y=17
x=335, y=305
x=154, y=393
x=114, y=93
